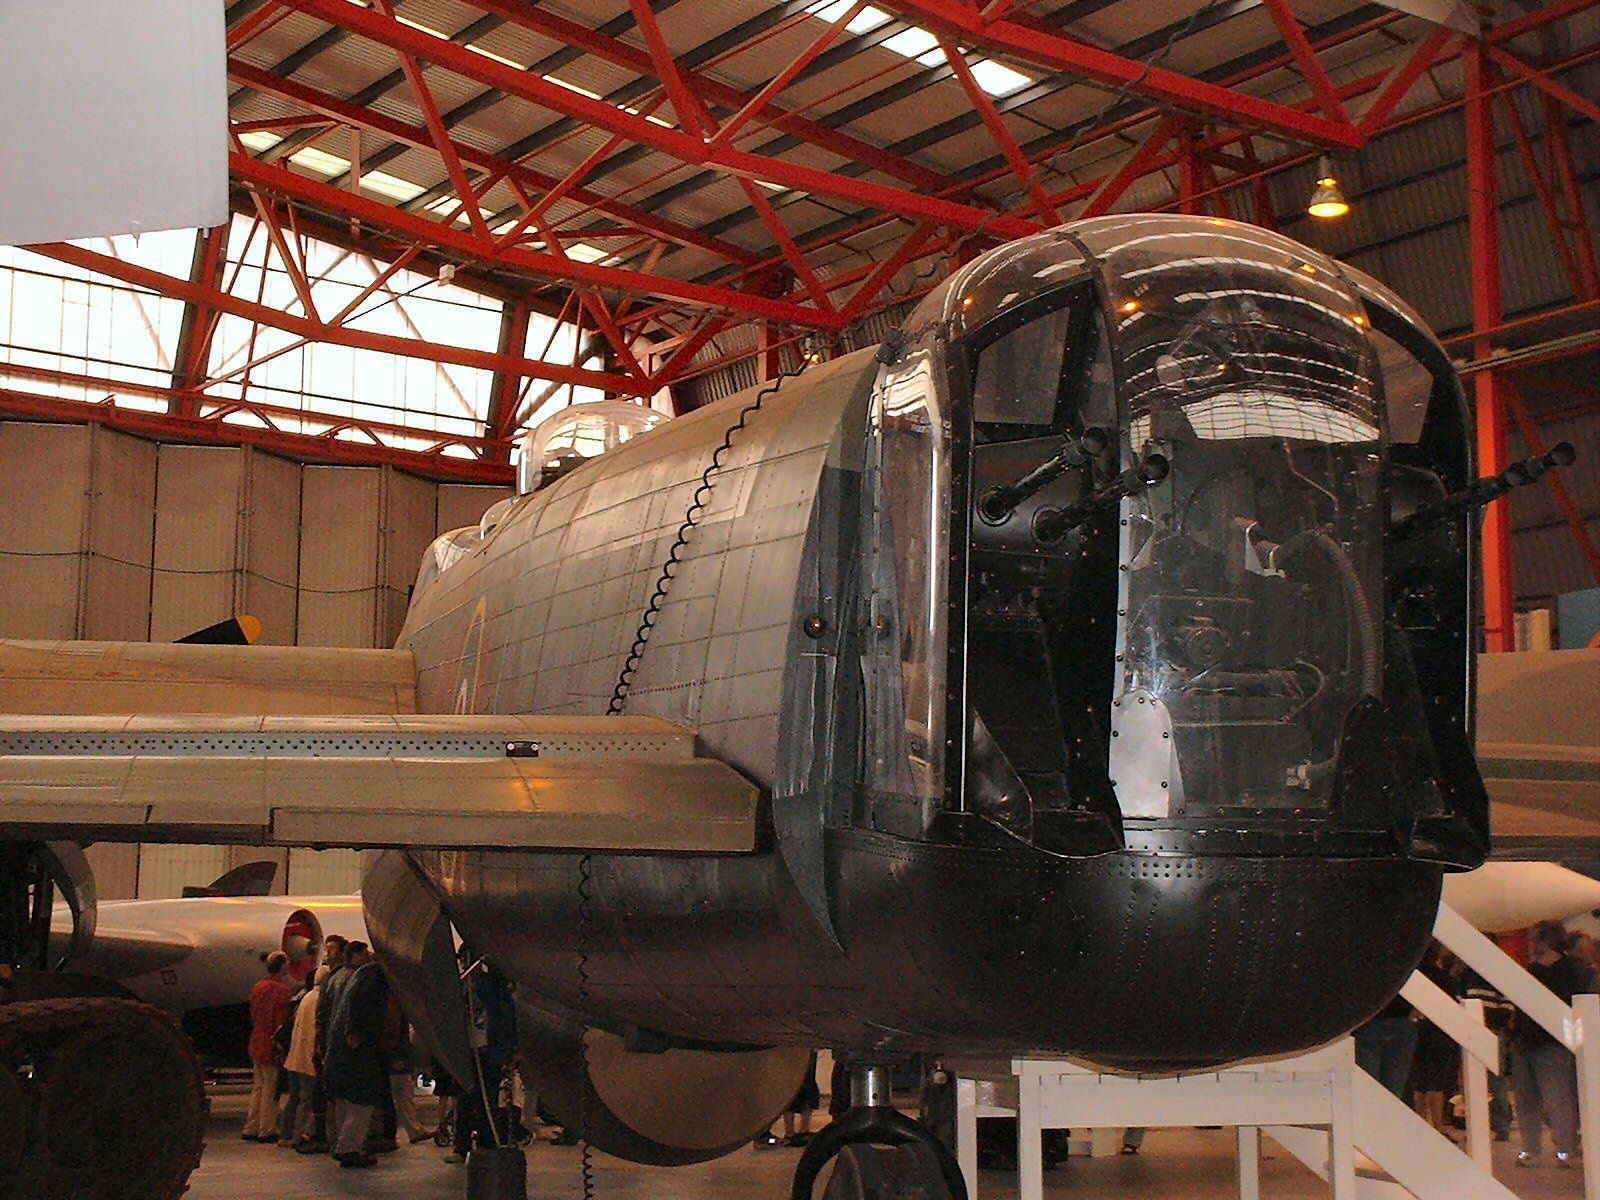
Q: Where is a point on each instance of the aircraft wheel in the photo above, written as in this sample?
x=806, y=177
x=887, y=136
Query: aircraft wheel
x=117, y=1098
x=13, y=1121
x=886, y=1173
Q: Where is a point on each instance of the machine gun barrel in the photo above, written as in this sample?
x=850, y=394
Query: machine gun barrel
x=1487, y=489
x=999, y=502
x=1052, y=524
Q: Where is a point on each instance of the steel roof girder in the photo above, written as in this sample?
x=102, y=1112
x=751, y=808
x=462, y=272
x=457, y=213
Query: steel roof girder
x=1037, y=43
x=549, y=266
x=675, y=143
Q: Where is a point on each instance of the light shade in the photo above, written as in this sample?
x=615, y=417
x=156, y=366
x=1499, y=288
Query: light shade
x=1327, y=200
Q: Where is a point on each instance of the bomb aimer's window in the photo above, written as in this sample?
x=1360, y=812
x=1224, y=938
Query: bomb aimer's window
x=1028, y=372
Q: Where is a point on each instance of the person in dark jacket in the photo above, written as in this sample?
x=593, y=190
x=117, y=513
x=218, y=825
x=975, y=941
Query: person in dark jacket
x=1436, y=1072
x=333, y=947
x=1497, y=1015
x=480, y=1116
x=1387, y=1045
x=1544, y=1075
x=353, y=1070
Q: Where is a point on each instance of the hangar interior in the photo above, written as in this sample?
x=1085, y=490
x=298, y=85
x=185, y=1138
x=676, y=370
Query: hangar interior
x=446, y=222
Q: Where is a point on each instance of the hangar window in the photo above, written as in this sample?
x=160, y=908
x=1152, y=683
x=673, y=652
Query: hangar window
x=77, y=333
x=289, y=373
x=66, y=332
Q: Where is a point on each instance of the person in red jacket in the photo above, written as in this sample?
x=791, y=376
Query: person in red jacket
x=269, y=1005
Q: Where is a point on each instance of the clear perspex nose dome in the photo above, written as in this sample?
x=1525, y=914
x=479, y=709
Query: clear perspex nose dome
x=582, y=429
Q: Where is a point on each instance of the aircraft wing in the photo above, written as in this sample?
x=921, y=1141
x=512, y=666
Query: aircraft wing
x=80, y=678
x=129, y=951
x=1539, y=750
x=190, y=768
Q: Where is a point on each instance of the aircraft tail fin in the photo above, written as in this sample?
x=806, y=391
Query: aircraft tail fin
x=241, y=630
x=249, y=879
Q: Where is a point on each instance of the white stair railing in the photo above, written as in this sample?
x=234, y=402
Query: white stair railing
x=1419, y=1160
x=1576, y=1026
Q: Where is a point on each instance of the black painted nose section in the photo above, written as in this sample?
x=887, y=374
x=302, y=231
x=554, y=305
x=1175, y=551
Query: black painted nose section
x=1142, y=961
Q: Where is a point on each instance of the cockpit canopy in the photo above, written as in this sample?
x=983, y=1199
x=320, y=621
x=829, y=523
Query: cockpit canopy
x=576, y=433
x=550, y=449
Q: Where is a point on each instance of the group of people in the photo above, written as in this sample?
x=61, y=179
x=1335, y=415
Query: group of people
x=1419, y=1062
x=332, y=1063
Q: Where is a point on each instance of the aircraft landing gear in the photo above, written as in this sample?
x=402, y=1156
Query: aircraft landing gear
x=101, y=1097
x=883, y=1154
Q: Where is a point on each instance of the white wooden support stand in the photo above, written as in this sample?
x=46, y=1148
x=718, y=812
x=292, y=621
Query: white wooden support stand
x=1316, y=1105
x=1249, y=1162
x=976, y=1098
x=1311, y=1089
x=1585, y=1045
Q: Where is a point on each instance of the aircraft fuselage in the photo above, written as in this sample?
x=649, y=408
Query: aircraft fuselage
x=1098, y=708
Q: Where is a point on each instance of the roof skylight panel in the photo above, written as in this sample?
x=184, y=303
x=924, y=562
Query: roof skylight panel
x=833, y=11
x=913, y=43
x=586, y=253
x=259, y=140
x=998, y=79
x=384, y=184
x=917, y=43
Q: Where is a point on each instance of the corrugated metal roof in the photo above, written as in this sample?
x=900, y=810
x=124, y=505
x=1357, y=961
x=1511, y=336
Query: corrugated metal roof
x=859, y=70
x=1408, y=186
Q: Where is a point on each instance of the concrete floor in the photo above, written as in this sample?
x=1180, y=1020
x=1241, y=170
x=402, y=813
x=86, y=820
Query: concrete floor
x=1175, y=1164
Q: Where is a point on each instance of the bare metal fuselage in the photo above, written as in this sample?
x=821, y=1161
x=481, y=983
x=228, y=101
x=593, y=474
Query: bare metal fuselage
x=852, y=928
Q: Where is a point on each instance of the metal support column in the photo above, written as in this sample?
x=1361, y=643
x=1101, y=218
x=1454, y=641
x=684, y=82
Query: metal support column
x=503, y=392
x=199, y=319
x=1483, y=222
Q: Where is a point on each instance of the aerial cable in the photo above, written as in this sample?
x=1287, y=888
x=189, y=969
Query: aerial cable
x=691, y=517
x=619, y=697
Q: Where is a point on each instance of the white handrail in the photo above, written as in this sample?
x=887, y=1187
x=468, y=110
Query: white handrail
x=1576, y=1026
x=1445, y=1011
x=1506, y=976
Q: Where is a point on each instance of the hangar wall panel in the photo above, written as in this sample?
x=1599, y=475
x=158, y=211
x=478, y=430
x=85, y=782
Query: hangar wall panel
x=340, y=511
x=108, y=535
x=410, y=514
x=324, y=872
x=271, y=516
x=116, y=869
x=44, y=490
x=462, y=504
x=198, y=491
x=113, y=536
x=122, y=498
x=164, y=871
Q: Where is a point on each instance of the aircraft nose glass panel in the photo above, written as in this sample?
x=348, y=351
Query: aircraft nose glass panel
x=1251, y=575
x=906, y=515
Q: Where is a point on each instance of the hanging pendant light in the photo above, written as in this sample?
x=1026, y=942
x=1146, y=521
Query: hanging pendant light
x=1327, y=199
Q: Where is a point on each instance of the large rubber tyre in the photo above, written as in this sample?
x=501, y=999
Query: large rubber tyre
x=13, y=1123
x=116, y=1101
x=886, y=1173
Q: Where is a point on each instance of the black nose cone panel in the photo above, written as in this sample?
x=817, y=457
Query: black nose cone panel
x=1149, y=962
